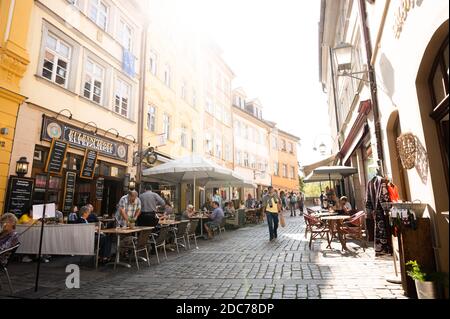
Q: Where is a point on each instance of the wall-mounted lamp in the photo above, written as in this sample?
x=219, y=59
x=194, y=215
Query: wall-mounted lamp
x=4, y=131
x=22, y=167
x=60, y=113
x=112, y=129
x=88, y=123
x=132, y=137
x=343, y=55
x=132, y=184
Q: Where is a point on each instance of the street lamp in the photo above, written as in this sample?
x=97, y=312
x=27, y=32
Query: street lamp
x=132, y=184
x=343, y=55
x=22, y=167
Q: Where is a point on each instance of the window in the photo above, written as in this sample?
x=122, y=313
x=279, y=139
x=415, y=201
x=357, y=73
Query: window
x=208, y=144
x=238, y=158
x=276, y=168
x=166, y=126
x=283, y=145
x=167, y=76
x=98, y=12
x=56, y=64
x=228, y=152
x=246, y=161
x=285, y=171
x=194, y=98
x=250, y=133
x=122, y=98
x=209, y=107
x=292, y=173
x=183, y=136
x=218, y=147
x=245, y=128
x=153, y=63
x=219, y=112
x=274, y=143
x=193, y=142
x=237, y=128
x=252, y=161
x=93, y=81
x=227, y=116
x=125, y=35
x=77, y=3
x=151, y=118
x=183, y=90
x=290, y=148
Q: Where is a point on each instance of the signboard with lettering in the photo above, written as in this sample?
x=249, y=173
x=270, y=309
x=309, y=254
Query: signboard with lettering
x=56, y=157
x=88, y=167
x=69, y=191
x=82, y=139
x=99, y=186
x=20, y=191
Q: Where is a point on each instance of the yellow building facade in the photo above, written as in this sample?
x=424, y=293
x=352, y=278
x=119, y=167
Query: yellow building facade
x=14, y=59
x=284, y=160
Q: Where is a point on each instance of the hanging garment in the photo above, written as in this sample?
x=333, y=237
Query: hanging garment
x=393, y=193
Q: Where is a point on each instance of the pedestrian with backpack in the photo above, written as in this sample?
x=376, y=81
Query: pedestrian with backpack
x=292, y=203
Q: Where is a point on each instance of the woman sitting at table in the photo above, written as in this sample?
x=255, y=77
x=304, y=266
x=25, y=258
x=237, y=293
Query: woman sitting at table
x=188, y=213
x=8, y=235
x=229, y=210
x=345, y=205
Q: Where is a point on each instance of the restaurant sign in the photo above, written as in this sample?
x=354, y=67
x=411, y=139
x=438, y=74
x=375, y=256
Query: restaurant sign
x=79, y=138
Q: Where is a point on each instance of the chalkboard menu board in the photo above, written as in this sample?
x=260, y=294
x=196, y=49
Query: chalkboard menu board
x=56, y=157
x=99, y=185
x=69, y=191
x=88, y=167
x=20, y=191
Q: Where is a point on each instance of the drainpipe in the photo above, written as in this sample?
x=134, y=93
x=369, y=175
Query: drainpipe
x=143, y=71
x=372, y=83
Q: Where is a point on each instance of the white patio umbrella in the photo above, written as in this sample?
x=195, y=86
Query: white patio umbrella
x=329, y=173
x=193, y=169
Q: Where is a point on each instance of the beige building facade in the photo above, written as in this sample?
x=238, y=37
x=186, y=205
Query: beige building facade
x=82, y=89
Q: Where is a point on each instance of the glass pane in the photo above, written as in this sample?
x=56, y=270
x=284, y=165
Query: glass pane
x=40, y=181
x=89, y=66
x=438, y=85
x=63, y=50
x=54, y=182
x=114, y=171
x=51, y=42
x=92, y=13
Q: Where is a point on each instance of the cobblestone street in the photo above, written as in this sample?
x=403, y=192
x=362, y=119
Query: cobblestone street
x=238, y=264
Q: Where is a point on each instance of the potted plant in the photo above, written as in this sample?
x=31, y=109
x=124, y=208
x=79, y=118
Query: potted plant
x=131, y=222
x=426, y=284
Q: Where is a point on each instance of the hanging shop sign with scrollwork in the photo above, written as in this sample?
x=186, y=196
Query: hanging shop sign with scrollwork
x=80, y=138
x=401, y=14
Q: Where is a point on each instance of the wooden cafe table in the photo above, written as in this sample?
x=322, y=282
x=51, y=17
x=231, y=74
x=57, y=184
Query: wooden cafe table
x=124, y=231
x=335, y=222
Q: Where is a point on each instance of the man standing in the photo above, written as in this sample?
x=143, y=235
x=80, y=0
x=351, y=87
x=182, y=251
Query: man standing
x=292, y=203
x=215, y=219
x=149, y=201
x=270, y=206
x=322, y=197
x=217, y=198
x=129, y=207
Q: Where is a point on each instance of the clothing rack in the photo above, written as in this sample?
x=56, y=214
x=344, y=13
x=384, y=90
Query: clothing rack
x=418, y=208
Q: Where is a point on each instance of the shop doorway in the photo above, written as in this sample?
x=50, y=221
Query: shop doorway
x=112, y=192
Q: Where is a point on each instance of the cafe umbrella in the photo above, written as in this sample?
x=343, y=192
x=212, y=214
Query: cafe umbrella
x=329, y=173
x=193, y=169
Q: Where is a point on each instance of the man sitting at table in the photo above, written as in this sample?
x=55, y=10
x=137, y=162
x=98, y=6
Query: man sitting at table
x=345, y=205
x=105, y=242
x=215, y=219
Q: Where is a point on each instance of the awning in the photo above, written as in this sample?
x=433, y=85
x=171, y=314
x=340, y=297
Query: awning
x=329, y=173
x=307, y=169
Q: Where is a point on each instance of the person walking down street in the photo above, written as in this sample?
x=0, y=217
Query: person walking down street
x=292, y=204
x=271, y=207
x=150, y=202
x=283, y=201
x=129, y=207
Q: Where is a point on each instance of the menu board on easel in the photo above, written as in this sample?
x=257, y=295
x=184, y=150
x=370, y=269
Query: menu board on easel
x=88, y=167
x=20, y=192
x=69, y=191
x=56, y=157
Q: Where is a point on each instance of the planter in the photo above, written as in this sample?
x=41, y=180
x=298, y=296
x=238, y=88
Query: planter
x=132, y=225
x=426, y=289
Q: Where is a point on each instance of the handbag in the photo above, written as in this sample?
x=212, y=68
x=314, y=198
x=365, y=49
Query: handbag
x=282, y=220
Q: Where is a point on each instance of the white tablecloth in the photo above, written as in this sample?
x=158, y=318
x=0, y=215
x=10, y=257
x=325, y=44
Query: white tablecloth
x=62, y=239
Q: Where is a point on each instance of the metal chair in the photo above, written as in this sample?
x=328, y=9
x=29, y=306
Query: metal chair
x=4, y=267
x=139, y=244
x=159, y=240
x=191, y=232
x=179, y=232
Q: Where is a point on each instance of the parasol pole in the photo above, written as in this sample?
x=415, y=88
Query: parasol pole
x=194, y=192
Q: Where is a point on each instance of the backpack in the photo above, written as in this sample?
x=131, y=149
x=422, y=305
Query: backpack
x=293, y=200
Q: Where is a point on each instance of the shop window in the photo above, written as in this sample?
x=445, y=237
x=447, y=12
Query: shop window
x=41, y=181
x=54, y=182
x=114, y=171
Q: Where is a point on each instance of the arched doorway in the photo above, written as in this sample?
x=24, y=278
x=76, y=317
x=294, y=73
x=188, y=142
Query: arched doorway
x=432, y=84
x=399, y=174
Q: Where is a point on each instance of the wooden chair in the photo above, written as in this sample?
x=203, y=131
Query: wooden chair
x=354, y=228
x=317, y=229
x=4, y=267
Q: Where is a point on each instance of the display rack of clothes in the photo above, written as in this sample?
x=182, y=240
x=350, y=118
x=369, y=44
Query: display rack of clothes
x=377, y=193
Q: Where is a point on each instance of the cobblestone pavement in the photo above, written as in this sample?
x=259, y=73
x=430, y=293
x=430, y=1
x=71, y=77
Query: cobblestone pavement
x=237, y=264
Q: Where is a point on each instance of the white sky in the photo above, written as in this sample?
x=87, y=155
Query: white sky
x=272, y=47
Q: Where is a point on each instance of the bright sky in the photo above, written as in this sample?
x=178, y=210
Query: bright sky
x=272, y=47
